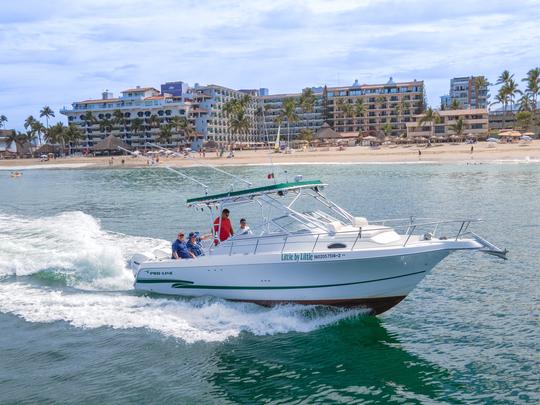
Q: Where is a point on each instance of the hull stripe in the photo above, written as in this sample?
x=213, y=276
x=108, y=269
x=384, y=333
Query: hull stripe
x=180, y=284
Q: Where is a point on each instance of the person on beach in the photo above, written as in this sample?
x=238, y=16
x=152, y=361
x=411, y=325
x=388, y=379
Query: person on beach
x=244, y=228
x=180, y=249
x=472, y=149
x=223, y=225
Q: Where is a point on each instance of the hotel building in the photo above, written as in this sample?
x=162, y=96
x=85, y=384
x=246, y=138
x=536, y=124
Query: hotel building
x=386, y=108
x=475, y=122
x=463, y=89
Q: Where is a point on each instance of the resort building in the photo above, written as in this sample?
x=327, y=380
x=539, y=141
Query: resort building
x=135, y=117
x=370, y=109
x=475, y=124
x=500, y=120
x=467, y=92
x=139, y=114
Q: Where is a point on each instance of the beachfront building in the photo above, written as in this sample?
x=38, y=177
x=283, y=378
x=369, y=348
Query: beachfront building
x=370, y=109
x=513, y=118
x=469, y=92
x=475, y=124
x=7, y=149
x=136, y=117
x=216, y=125
x=271, y=108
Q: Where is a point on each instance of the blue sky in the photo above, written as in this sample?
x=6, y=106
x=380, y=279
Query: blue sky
x=56, y=52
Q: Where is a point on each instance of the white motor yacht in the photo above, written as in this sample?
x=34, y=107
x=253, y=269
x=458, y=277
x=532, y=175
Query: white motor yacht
x=308, y=250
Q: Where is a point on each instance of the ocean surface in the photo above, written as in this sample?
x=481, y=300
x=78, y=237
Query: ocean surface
x=73, y=330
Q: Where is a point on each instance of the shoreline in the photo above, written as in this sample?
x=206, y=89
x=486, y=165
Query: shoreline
x=357, y=155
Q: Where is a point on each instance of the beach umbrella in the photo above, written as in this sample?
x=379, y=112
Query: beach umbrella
x=511, y=134
x=492, y=140
x=528, y=134
x=526, y=138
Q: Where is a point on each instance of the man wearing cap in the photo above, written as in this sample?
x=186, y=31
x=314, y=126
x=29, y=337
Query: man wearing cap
x=180, y=249
x=194, y=243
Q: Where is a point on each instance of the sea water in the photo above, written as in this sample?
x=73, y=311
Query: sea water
x=73, y=329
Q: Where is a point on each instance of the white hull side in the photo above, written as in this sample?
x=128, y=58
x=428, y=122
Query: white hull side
x=267, y=279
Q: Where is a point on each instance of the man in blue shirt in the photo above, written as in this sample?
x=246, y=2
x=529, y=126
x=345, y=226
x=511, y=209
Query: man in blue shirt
x=194, y=244
x=180, y=249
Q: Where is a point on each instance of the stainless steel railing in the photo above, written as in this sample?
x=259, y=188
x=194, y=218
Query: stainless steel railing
x=309, y=241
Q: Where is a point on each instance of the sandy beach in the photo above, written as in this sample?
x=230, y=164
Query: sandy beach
x=483, y=152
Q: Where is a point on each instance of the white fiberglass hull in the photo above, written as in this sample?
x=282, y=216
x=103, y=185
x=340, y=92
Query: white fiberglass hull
x=377, y=280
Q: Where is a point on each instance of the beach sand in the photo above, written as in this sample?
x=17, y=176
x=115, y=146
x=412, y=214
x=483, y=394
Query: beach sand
x=483, y=152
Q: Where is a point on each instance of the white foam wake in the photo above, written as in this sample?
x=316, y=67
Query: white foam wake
x=202, y=319
x=72, y=244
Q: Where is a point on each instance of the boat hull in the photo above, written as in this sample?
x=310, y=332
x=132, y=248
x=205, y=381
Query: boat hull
x=337, y=279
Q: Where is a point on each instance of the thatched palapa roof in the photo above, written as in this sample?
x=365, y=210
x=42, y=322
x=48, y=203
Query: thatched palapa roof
x=110, y=143
x=326, y=132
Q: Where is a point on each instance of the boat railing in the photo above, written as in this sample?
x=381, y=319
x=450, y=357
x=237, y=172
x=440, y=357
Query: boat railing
x=309, y=242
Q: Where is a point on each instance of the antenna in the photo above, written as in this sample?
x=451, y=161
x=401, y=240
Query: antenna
x=169, y=168
x=203, y=164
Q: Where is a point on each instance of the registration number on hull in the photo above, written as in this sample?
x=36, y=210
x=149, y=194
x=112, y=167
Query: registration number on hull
x=296, y=257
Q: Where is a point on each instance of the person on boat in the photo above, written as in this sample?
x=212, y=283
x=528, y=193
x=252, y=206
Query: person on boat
x=194, y=243
x=244, y=228
x=223, y=225
x=180, y=249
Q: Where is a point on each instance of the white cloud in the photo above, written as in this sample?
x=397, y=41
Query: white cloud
x=57, y=52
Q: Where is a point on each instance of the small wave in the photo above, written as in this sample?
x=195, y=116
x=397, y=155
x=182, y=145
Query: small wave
x=71, y=247
x=191, y=320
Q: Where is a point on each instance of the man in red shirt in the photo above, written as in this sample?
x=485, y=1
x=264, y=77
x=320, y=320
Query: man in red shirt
x=225, y=230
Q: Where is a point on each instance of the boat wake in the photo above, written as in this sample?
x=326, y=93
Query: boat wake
x=68, y=268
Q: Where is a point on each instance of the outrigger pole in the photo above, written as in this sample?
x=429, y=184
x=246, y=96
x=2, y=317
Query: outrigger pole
x=171, y=169
x=203, y=164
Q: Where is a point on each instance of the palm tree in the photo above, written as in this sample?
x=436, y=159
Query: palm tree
x=118, y=119
x=458, y=127
x=239, y=123
x=13, y=137
x=402, y=106
x=479, y=83
x=30, y=126
x=360, y=110
x=306, y=134
x=154, y=121
x=105, y=125
x=28, y=138
x=307, y=101
x=511, y=90
x=56, y=134
x=504, y=78
x=46, y=112
x=3, y=120
x=432, y=117
x=288, y=112
x=387, y=128
x=165, y=134
x=72, y=135
x=38, y=128
x=500, y=98
x=137, y=125
x=455, y=105
x=533, y=86
x=89, y=120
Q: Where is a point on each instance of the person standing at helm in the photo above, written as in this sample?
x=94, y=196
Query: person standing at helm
x=223, y=226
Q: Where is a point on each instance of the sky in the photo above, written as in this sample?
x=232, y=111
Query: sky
x=56, y=52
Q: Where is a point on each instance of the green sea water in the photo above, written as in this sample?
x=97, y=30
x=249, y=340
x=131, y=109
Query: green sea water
x=73, y=330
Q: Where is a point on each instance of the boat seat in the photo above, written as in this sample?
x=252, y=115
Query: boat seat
x=334, y=226
x=360, y=222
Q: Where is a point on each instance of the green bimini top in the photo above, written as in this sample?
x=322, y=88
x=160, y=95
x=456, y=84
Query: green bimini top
x=251, y=192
